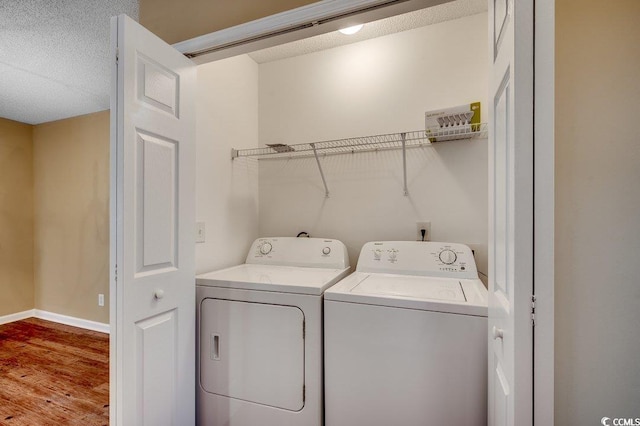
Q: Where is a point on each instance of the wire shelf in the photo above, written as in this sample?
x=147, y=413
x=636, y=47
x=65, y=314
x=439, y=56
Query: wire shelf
x=366, y=143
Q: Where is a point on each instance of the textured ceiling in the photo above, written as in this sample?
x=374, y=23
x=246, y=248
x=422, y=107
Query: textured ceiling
x=444, y=12
x=54, y=57
x=54, y=54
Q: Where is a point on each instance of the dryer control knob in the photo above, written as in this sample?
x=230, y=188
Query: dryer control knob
x=265, y=248
x=326, y=250
x=448, y=256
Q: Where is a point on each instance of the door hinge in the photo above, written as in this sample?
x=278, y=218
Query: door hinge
x=117, y=54
x=116, y=273
x=533, y=310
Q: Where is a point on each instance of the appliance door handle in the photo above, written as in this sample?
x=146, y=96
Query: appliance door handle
x=215, y=347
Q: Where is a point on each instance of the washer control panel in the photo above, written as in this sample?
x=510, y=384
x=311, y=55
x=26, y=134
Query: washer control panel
x=448, y=256
x=265, y=248
x=418, y=258
x=291, y=251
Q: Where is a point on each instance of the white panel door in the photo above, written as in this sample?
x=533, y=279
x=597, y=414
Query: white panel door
x=511, y=212
x=152, y=230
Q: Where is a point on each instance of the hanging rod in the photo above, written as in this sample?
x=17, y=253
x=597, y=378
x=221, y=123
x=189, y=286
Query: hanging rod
x=365, y=143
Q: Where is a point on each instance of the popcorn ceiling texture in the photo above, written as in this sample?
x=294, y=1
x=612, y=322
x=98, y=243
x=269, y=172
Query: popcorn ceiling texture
x=54, y=57
x=433, y=15
x=54, y=54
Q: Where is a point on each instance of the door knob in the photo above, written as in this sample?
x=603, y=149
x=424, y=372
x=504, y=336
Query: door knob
x=159, y=294
x=498, y=333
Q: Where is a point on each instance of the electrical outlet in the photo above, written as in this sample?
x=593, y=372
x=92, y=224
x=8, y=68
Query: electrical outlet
x=101, y=299
x=419, y=227
x=200, y=234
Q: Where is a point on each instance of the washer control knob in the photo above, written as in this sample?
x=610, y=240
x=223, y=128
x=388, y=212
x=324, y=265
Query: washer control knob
x=448, y=256
x=377, y=254
x=265, y=248
x=326, y=250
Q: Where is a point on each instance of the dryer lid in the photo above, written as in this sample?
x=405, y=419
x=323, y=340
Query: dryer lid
x=283, y=279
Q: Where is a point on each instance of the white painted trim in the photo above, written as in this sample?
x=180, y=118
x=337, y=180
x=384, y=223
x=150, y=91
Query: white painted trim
x=73, y=321
x=544, y=195
x=278, y=22
x=115, y=356
x=306, y=21
x=59, y=318
x=6, y=319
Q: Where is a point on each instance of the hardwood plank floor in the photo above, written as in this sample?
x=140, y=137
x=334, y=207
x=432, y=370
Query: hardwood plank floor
x=53, y=374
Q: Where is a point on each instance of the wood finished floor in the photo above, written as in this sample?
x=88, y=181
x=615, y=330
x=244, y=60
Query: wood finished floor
x=53, y=374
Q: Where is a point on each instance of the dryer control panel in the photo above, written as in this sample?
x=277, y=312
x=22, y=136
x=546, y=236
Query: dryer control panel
x=427, y=258
x=305, y=252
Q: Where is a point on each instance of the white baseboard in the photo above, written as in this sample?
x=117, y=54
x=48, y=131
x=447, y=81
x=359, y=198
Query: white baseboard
x=61, y=319
x=17, y=316
x=76, y=322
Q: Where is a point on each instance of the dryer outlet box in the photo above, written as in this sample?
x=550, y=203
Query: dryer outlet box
x=419, y=227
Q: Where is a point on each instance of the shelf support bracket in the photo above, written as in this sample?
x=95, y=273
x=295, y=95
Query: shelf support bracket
x=404, y=162
x=324, y=182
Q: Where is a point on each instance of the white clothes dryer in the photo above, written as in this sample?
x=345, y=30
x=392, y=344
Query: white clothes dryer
x=406, y=338
x=260, y=334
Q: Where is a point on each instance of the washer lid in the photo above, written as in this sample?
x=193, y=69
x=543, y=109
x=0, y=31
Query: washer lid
x=449, y=295
x=283, y=279
x=436, y=289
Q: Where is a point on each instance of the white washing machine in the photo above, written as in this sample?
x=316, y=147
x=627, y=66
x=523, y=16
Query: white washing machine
x=406, y=338
x=260, y=334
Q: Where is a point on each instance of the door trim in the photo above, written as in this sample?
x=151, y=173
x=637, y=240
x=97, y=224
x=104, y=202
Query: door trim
x=115, y=222
x=303, y=22
x=544, y=195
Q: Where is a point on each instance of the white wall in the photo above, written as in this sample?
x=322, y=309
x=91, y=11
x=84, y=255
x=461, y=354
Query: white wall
x=383, y=85
x=226, y=190
x=597, y=272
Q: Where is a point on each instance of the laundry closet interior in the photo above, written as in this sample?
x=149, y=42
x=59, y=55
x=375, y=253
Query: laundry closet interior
x=380, y=81
x=372, y=86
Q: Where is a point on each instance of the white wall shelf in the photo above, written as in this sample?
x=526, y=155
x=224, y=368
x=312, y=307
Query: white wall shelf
x=402, y=141
x=365, y=143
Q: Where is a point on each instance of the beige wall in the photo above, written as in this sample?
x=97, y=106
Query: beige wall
x=16, y=217
x=597, y=211
x=71, y=199
x=175, y=21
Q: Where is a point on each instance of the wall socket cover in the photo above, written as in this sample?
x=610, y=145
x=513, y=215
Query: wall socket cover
x=101, y=299
x=419, y=227
x=200, y=232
